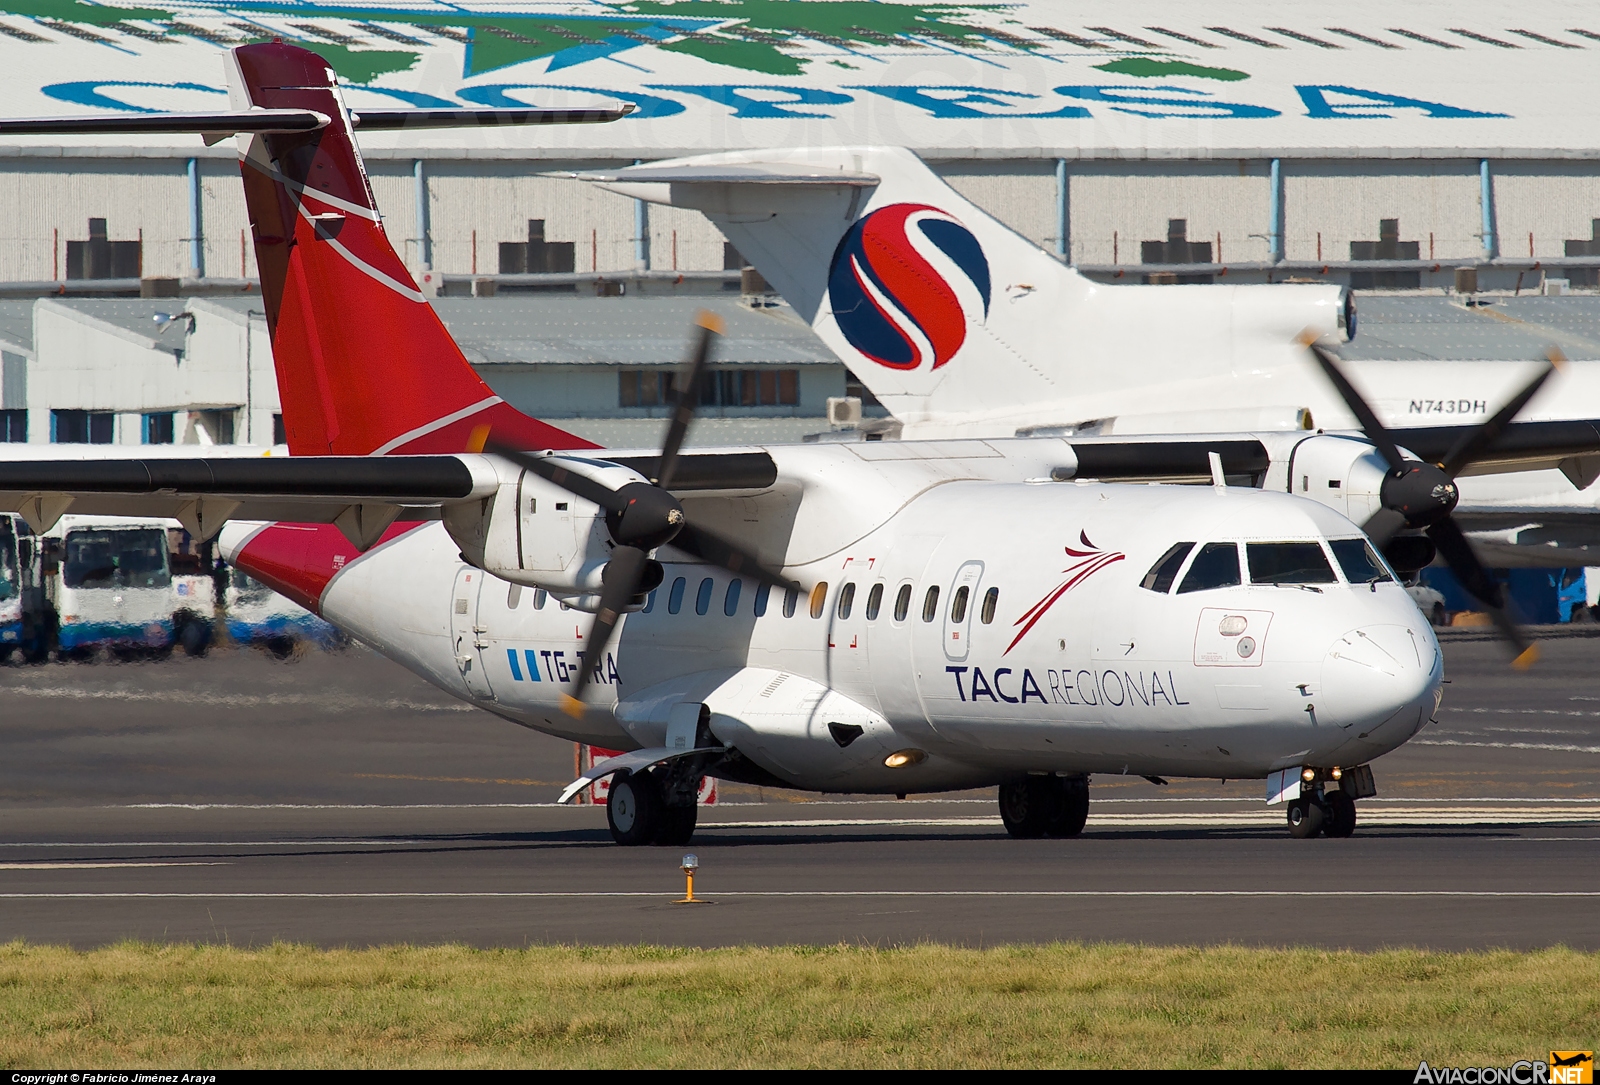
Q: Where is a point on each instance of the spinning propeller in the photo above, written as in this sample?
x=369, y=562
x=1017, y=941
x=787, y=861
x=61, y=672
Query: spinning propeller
x=1421, y=496
x=642, y=516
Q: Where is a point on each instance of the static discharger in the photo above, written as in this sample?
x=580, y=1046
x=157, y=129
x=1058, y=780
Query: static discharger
x=690, y=864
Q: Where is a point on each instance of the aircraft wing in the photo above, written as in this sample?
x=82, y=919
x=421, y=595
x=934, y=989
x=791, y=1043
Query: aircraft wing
x=1524, y=446
x=203, y=492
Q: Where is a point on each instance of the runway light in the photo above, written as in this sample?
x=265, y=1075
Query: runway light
x=1308, y=775
x=1336, y=773
x=690, y=864
x=901, y=758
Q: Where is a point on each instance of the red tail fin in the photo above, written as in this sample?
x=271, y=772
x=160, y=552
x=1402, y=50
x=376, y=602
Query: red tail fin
x=364, y=364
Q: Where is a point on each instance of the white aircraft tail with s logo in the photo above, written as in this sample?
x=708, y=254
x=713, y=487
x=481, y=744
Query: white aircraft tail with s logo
x=958, y=323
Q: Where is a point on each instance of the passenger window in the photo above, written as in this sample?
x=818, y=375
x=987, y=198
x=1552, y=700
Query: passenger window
x=1288, y=563
x=730, y=602
x=513, y=596
x=991, y=599
x=675, y=597
x=790, y=597
x=649, y=603
x=819, y=599
x=958, y=605
x=1216, y=566
x=930, y=604
x=702, y=598
x=847, y=600
x=902, y=603
x=1360, y=564
x=539, y=597
x=1165, y=571
x=874, y=601
x=763, y=594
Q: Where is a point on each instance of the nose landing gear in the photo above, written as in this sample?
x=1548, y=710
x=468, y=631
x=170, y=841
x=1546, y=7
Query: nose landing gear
x=1332, y=813
x=1045, y=806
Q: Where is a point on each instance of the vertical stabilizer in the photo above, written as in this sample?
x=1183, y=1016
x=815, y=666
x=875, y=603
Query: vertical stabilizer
x=960, y=325
x=364, y=364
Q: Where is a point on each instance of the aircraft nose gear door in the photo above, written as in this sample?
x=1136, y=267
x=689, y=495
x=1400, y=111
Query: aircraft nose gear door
x=469, y=637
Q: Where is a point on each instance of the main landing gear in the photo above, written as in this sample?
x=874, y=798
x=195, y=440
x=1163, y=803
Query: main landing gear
x=1332, y=813
x=655, y=806
x=1045, y=805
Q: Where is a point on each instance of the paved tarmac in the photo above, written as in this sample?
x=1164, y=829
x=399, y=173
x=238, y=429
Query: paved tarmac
x=338, y=800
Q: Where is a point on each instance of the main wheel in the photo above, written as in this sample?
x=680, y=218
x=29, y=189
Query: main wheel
x=633, y=809
x=677, y=825
x=1026, y=806
x=1341, y=814
x=1306, y=818
x=1071, y=808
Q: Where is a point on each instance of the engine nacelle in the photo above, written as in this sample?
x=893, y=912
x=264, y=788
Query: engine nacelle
x=1343, y=472
x=533, y=532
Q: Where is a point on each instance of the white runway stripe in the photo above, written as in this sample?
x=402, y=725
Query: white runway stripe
x=1556, y=746
x=233, y=700
x=96, y=865
x=1332, y=896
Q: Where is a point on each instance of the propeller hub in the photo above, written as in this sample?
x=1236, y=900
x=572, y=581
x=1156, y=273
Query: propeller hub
x=650, y=517
x=1421, y=492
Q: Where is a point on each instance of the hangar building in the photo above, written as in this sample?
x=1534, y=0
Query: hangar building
x=1382, y=146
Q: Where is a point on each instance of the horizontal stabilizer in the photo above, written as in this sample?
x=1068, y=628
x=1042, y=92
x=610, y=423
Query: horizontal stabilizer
x=383, y=120
x=754, y=173
x=225, y=123
x=281, y=121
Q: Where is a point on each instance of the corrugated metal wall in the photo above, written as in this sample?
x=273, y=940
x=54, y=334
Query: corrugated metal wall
x=1113, y=207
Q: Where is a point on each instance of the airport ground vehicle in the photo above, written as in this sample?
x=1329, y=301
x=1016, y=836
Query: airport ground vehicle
x=109, y=581
x=255, y=614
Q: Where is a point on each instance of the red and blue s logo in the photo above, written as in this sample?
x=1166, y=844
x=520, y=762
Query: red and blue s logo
x=896, y=285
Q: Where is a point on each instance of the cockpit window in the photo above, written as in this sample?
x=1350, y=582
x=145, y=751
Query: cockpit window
x=1289, y=563
x=1165, y=571
x=1216, y=566
x=1360, y=564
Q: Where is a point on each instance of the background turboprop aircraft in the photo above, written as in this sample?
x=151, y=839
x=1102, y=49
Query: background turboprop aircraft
x=963, y=328
x=887, y=617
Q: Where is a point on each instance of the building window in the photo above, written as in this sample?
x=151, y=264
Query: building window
x=645, y=388
x=13, y=427
x=722, y=388
x=158, y=428
x=82, y=427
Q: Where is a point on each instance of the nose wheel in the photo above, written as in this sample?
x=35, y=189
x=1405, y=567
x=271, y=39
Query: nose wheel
x=1331, y=814
x=1045, y=806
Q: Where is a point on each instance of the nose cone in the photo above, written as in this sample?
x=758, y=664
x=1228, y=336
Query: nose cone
x=1380, y=684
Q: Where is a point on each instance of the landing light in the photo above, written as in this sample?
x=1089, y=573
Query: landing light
x=901, y=758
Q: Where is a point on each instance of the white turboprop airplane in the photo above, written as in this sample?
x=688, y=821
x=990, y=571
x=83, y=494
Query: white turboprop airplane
x=963, y=328
x=885, y=617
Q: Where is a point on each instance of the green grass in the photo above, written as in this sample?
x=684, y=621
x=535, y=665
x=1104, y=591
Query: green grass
x=927, y=1005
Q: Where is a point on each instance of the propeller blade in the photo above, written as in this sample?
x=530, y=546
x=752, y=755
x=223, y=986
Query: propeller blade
x=1383, y=525
x=553, y=469
x=619, y=583
x=709, y=546
x=1477, y=442
x=1458, y=553
x=1364, y=414
x=688, y=398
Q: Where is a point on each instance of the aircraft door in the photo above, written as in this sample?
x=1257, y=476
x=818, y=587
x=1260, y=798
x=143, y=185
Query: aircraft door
x=958, y=610
x=468, y=635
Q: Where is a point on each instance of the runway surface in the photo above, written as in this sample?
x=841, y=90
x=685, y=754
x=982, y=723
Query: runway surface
x=340, y=801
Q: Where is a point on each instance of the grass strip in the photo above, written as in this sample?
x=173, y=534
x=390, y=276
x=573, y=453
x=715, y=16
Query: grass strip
x=1061, y=1005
